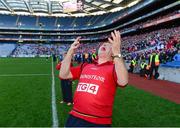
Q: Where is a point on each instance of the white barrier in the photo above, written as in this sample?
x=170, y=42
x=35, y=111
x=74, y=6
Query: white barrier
x=167, y=73
x=170, y=74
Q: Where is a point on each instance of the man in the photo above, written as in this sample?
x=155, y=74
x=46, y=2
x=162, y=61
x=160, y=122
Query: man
x=132, y=65
x=66, y=87
x=154, y=65
x=143, y=68
x=94, y=96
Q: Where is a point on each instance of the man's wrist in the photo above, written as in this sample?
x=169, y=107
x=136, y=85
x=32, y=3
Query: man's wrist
x=117, y=59
x=71, y=51
x=117, y=55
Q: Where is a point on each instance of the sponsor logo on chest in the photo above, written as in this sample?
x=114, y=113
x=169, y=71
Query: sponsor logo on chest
x=89, y=88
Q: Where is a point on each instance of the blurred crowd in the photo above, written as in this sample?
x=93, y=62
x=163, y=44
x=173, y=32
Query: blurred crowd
x=164, y=41
x=39, y=49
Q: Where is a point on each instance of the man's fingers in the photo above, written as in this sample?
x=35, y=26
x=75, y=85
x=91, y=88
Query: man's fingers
x=117, y=33
x=118, y=36
x=110, y=40
x=77, y=40
x=113, y=36
x=77, y=45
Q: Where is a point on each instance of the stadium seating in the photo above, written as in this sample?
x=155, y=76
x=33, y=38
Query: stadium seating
x=51, y=23
x=6, y=49
x=33, y=50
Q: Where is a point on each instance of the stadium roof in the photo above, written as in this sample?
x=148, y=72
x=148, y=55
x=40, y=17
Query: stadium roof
x=55, y=7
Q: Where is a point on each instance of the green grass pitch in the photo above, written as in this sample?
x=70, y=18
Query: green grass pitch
x=26, y=100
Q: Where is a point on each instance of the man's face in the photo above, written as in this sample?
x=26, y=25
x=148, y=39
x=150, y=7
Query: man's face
x=105, y=50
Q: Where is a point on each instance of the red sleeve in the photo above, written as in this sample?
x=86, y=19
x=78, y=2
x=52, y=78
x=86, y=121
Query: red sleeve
x=71, y=65
x=58, y=66
x=76, y=72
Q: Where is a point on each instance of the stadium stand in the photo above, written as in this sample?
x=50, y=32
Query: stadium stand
x=6, y=49
x=51, y=23
x=39, y=50
x=133, y=46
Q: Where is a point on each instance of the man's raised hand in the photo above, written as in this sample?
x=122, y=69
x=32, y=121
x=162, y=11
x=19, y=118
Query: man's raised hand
x=75, y=44
x=116, y=42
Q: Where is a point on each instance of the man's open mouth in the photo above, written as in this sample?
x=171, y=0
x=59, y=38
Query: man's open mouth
x=103, y=49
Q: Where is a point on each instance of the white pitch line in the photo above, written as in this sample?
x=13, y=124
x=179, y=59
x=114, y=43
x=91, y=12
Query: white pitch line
x=54, y=110
x=17, y=75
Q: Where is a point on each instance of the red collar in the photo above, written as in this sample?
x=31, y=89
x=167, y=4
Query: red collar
x=105, y=63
